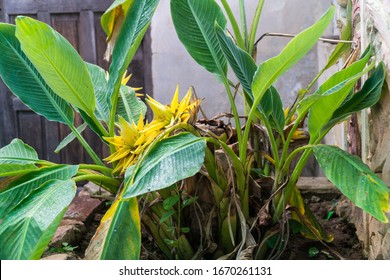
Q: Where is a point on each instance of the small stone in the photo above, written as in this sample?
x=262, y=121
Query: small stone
x=83, y=207
x=57, y=257
x=69, y=231
x=315, y=199
x=94, y=189
x=343, y=208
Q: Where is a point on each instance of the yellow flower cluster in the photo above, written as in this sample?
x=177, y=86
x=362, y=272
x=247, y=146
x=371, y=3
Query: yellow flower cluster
x=134, y=138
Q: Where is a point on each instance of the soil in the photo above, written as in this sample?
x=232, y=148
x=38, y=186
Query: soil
x=345, y=245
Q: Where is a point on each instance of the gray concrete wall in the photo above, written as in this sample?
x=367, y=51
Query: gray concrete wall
x=172, y=65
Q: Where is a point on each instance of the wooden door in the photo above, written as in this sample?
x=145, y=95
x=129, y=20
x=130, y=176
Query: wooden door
x=79, y=22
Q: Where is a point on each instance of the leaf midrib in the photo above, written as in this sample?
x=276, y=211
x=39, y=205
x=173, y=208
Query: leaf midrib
x=30, y=214
x=68, y=85
x=39, y=81
x=205, y=36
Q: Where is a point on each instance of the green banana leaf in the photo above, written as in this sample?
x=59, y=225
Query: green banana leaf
x=99, y=81
x=129, y=38
x=17, y=152
x=57, y=61
x=23, y=79
x=21, y=188
x=271, y=106
x=241, y=62
x=130, y=107
x=7, y=170
x=69, y=138
x=118, y=236
x=269, y=71
x=170, y=160
x=27, y=230
x=344, y=74
x=322, y=110
x=355, y=180
x=194, y=21
x=365, y=98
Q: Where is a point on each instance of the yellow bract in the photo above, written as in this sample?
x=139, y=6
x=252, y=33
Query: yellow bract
x=133, y=138
x=177, y=112
x=128, y=144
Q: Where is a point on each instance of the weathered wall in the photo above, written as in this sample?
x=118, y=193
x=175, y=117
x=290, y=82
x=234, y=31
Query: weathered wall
x=372, y=26
x=172, y=65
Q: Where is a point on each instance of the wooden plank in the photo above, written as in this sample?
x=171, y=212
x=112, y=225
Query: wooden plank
x=15, y=7
x=44, y=16
x=73, y=153
x=30, y=131
x=7, y=117
x=18, y=105
x=52, y=139
x=87, y=36
x=68, y=26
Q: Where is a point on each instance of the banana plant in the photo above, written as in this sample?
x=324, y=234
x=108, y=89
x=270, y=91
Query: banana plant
x=47, y=74
x=201, y=27
x=154, y=164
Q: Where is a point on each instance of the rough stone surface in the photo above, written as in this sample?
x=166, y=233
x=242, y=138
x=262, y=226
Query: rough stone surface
x=69, y=231
x=375, y=30
x=80, y=211
x=95, y=190
x=83, y=207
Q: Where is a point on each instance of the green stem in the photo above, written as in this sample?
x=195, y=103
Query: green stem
x=255, y=23
x=274, y=145
x=233, y=21
x=110, y=183
x=96, y=159
x=291, y=134
x=294, y=154
x=100, y=168
x=244, y=27
x=111, y=121
x=291, y=184
x=99, y=125
x=302, y=94
x=233, y=107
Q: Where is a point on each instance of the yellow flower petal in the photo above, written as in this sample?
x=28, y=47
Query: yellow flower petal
x=175, y=100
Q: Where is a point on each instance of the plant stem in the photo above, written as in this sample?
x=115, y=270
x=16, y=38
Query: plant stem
x=96, y=159
x=292, y=183
x=274, y=145
x=293, y=154
x=111, y=122
x=291, y=134
x=112, y=184
x=100, y=168
x=233, y=107
x=255, y=23
x=244, y=27
x=233, y=21
x=98, y=124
